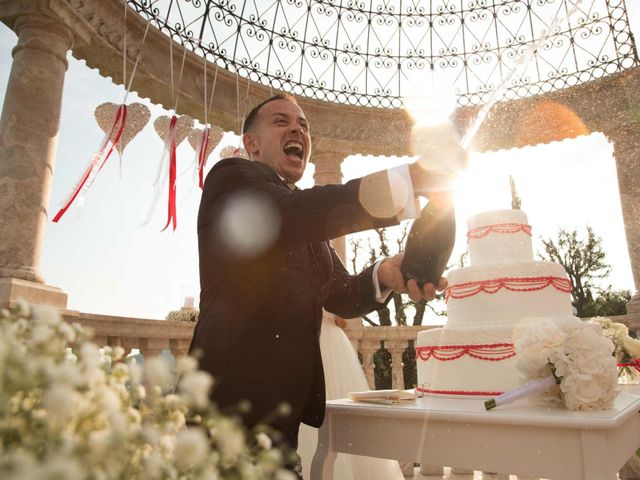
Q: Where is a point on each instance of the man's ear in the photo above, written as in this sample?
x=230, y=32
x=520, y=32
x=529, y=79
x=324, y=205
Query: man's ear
x=251, y=144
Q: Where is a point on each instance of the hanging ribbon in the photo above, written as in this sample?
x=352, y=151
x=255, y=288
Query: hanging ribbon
x=172, y=213
x=201, y=153
x=96, y=164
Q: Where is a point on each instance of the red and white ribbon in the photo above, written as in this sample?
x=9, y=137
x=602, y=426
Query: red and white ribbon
x=522, y=284
x=201, y=154
x=97, y=162
x=634, y=362
x=170, y=145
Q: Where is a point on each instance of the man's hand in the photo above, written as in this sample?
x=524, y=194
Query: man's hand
x=390, y=276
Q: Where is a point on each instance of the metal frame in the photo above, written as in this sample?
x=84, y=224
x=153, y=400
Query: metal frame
x=374, y=52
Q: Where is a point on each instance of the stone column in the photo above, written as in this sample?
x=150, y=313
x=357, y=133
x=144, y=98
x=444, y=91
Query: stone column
x=626, y=150
x=396, y=348
x=28, y=136
x=328, y=171
x=368, y=348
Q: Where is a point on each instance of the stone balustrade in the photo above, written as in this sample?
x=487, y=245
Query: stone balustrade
x=150, y=337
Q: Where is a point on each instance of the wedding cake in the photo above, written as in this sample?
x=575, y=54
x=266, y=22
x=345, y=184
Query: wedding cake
x=473, y=354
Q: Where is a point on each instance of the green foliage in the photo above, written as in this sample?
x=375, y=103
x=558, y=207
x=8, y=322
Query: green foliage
x=403, y=305
x=410, y=370
x=585, y=262
x=608, y=303
x=382, y=369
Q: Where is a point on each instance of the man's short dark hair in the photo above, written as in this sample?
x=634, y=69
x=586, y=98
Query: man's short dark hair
x=251, y=117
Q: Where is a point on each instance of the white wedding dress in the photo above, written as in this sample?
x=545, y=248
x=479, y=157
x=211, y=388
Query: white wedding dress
x=343, y=374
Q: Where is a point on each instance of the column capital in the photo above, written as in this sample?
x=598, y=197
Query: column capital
x=32, y=29
x=52, y=15
x=328, y=166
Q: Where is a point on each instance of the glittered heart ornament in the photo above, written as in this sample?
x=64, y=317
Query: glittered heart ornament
x=183, y=126
x=215, y=135
x=137, y=117
x=231, y=151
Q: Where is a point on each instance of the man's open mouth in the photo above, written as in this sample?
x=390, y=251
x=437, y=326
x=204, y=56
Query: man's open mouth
x=294, y=148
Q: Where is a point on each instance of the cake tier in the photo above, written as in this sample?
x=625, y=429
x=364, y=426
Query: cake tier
x=466, y=362
x=504, y=294
x=499, y=236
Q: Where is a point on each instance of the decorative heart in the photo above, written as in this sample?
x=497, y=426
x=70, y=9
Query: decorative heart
x=183, y=127
x=137, y=117
x=231, y=151
x=215, y=135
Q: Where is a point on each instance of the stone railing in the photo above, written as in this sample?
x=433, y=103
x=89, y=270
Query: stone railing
x=150, y=337
x=368, y=340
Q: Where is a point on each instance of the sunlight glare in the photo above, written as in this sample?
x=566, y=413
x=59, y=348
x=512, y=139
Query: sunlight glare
x=431, y=101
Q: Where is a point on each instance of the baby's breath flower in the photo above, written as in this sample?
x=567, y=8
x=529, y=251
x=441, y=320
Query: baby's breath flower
x=22, y=308
x=263, y=441
x=157, y=372
x=80, y=413
x=190, y=448
x=186, y=363
x=61, y=401
x=196, y=386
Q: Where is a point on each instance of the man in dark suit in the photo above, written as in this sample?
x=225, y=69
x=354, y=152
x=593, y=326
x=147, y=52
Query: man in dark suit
x=267, y=269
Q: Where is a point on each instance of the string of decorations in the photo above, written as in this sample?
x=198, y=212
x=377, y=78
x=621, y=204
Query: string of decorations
x=122, y=122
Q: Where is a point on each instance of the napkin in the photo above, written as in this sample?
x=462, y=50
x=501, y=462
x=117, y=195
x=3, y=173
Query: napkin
x=388, y=397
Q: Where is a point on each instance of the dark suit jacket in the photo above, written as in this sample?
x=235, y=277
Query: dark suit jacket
x=260, y=314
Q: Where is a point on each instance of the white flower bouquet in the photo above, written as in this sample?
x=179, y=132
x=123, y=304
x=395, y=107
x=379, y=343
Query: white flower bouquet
x=626, y=349
x=565, y=362
x=89, y=414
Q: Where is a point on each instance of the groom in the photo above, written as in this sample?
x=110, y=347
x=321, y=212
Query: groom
x=267, y=269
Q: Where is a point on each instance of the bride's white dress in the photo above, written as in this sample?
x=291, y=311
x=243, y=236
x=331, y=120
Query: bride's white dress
x=343, y=374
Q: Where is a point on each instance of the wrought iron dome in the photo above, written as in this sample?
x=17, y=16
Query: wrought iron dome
x=373, y=52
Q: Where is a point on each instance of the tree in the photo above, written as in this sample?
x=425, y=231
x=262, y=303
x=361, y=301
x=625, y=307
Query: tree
x=585, y=263
x=608, y=303
x=516, y=203
x=402, y=304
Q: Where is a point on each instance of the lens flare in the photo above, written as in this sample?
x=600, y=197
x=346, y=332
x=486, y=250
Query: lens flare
x=249, y=224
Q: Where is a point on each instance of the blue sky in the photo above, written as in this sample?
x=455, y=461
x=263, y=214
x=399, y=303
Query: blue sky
x=108, y=262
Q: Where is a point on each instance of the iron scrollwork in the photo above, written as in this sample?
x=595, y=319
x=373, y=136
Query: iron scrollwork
x=372, y=52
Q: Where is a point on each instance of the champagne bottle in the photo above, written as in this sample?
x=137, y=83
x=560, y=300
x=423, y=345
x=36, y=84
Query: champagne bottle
x=430, y=241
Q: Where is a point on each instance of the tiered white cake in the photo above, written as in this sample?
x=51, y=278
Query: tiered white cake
x=473, y=354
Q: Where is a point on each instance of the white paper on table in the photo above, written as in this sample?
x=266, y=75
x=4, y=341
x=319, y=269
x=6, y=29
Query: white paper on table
x=389, y=397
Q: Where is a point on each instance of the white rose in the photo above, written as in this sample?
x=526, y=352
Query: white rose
x=632, y=346
x=535, y=343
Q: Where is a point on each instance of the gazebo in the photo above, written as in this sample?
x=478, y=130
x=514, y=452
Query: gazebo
x=349, y=64
x=355, y=58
